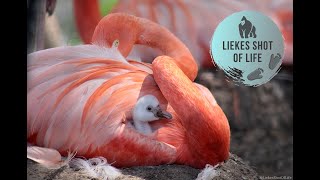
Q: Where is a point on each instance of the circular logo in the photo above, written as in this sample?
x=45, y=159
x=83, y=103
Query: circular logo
x=249, y=47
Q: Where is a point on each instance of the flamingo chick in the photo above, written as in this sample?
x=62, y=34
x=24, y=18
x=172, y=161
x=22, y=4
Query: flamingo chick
x=146, y=110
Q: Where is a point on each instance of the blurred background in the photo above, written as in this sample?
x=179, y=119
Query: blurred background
x=260, y=118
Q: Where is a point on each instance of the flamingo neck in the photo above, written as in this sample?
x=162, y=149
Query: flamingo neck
x=131, y=30
x=142, y=127
x=87, y=16
x=208, y=132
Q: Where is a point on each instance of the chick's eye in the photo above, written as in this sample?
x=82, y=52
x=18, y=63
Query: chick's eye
x=149, y=108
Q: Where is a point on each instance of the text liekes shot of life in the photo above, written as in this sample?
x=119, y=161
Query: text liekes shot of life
x=248, y=46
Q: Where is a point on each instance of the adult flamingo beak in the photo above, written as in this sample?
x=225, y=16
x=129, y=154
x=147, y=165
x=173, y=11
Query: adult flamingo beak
x=158, y=112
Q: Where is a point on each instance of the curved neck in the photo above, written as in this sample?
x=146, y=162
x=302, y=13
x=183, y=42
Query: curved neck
x=207, y=128
x=131, y=30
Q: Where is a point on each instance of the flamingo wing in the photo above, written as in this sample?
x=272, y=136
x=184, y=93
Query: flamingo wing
x=78, y=101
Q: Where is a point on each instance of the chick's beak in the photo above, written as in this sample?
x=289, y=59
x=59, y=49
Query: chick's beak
x=162, y=114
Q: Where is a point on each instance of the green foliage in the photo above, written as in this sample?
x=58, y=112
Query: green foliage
x=106, y=6
x=75, y=41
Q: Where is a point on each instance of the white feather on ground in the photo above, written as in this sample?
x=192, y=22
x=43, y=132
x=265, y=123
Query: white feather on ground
x=95, y=168
x=209, y=172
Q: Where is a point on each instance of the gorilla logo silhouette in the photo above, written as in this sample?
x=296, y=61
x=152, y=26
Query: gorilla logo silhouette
x=246, y=29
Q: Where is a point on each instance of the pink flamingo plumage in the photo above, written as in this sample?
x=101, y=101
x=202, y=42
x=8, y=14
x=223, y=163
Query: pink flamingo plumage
x=81, y=99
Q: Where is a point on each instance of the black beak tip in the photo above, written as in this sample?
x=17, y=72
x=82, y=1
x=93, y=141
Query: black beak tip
x=164, y=114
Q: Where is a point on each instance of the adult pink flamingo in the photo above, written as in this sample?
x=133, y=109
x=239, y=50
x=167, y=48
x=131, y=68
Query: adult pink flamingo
x=191, y=21
x=90, y=99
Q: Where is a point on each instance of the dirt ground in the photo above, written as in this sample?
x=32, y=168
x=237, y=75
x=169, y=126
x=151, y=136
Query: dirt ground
x=261, y=133
x=234, y=168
